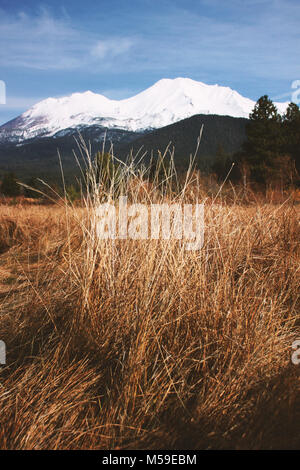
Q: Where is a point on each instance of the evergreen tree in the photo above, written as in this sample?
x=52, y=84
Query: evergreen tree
x=9, y=186
x=291, y=128
x=264, y=140
x=222, y=165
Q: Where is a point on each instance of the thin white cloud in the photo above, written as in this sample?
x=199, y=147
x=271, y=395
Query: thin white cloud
x=49, y=43
x=111, y=47
x=249, y=41
x=282, y=96
x=246, y=39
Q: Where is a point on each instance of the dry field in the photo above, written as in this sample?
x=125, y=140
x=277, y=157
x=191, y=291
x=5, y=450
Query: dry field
x=141, y=344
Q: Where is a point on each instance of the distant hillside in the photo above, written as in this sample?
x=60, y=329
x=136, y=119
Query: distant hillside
x=223, y=132
x=39, y=157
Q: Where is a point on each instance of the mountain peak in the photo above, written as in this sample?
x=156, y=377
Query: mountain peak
x=165, y=102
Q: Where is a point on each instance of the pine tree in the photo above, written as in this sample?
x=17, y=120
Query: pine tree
x=264, y=139
x=291, y=128
x=222, y=165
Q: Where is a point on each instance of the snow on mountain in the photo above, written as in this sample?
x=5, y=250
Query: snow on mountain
x=166, y=102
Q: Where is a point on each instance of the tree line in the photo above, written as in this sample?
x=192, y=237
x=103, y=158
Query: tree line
x=271, y=153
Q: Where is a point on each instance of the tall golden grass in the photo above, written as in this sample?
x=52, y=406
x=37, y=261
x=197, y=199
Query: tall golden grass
x=140, y=344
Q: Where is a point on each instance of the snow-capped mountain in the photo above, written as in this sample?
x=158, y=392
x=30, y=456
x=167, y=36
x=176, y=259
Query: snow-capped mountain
x=166, y=102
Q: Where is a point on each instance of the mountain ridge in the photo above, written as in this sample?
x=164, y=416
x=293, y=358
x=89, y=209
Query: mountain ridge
x=164, y=103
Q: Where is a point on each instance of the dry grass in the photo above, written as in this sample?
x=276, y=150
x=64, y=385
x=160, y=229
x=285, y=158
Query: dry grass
x=141, y=344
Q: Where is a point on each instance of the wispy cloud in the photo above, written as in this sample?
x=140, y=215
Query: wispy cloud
x=210, y=40
x=46, y=42
x=242, y=37
x=111, y=47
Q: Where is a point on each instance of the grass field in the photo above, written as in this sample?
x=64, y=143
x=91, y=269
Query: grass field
x=141, y=344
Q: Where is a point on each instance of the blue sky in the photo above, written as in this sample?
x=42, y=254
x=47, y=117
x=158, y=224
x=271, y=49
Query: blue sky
x=120, y=47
